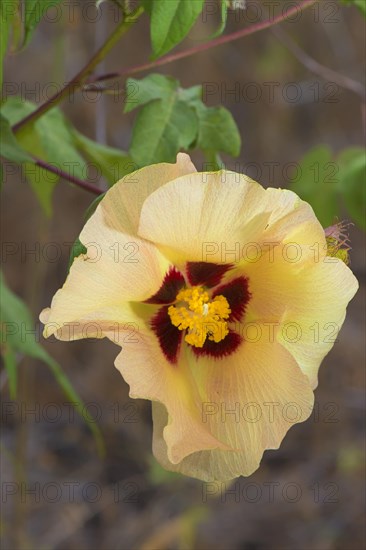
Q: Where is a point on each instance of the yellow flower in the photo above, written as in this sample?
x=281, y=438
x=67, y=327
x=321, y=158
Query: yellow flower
x=224, y=301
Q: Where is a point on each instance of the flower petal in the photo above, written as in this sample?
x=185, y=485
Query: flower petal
x=237, y=294
x=112, y=230
x=173, y=282
x=316, y=309
x=124, y=201
x=251, y=400
x=206, y=273
x=169, y=336
x=151, y=376
x=307, y=299
x=218, y=217
x=118, y=266
x=219, y=350
x=90, y=304
x=292, y=223
x=205, y=216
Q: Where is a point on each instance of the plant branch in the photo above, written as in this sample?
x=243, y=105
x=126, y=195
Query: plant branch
x=324, y=72
x=78, y=80
x=208, y=45
x=73, y=179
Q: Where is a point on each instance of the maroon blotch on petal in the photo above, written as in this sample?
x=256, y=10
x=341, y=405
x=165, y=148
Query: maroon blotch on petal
x=237, y=294
x=169, y=336
x=226, y=347
x=206, y=273
x=172, y=283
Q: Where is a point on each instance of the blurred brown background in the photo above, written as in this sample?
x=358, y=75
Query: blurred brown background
x=57, y=492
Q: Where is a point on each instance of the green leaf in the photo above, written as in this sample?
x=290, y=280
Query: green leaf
x=51, y=132
x=158, y=475
x=192, y=96
x=164, y=125
x=15, y=108
x=154, y=86
x=213, y=162
x=147, y=5
x=217, y=130
x=34, y=10
x=161, y=129
x=223, y=9
x=58, y=144
x=16, y=334
x=42, y=183
x=360, y=4
x=352, y=167
x=8, y=10
x=173, y=118
x=10, y=147
x=92, y=207
x=113, y=163
x=15, y=318
x=315, y=181
x=171, y=21
x=77, y=249
x=49, y=139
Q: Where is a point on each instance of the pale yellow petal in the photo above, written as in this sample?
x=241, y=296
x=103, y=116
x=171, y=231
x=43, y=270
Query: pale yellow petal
x=205, y=216
x=90, y=304
x=151, y=376
x=292, y=221
x=119, y=266
x=123, y=202
x=316, y=309
x=111, y=233
x=226, y=217
x=306, y=299
x=249, y=401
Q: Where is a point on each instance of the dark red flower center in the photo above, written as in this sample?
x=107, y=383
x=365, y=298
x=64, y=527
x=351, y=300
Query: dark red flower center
x=199, y=302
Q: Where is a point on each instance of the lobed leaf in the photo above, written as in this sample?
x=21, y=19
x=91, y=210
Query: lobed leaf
x=154, y=86
x=217, y=131
x=161, y=129
x=173, y=118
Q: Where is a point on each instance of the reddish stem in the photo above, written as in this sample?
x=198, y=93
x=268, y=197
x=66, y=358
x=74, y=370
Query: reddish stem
x=208, y=45
x=73, y=179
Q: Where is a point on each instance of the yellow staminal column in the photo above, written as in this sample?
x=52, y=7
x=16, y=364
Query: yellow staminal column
x=201, y=317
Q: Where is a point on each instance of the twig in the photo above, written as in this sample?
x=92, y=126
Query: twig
x=79, y=79
x=325, y=72
x=73, y=179
x=207, y=45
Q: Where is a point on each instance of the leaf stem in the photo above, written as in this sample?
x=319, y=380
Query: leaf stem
x=304, y=4
x=79, y=79
x=73, y=179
